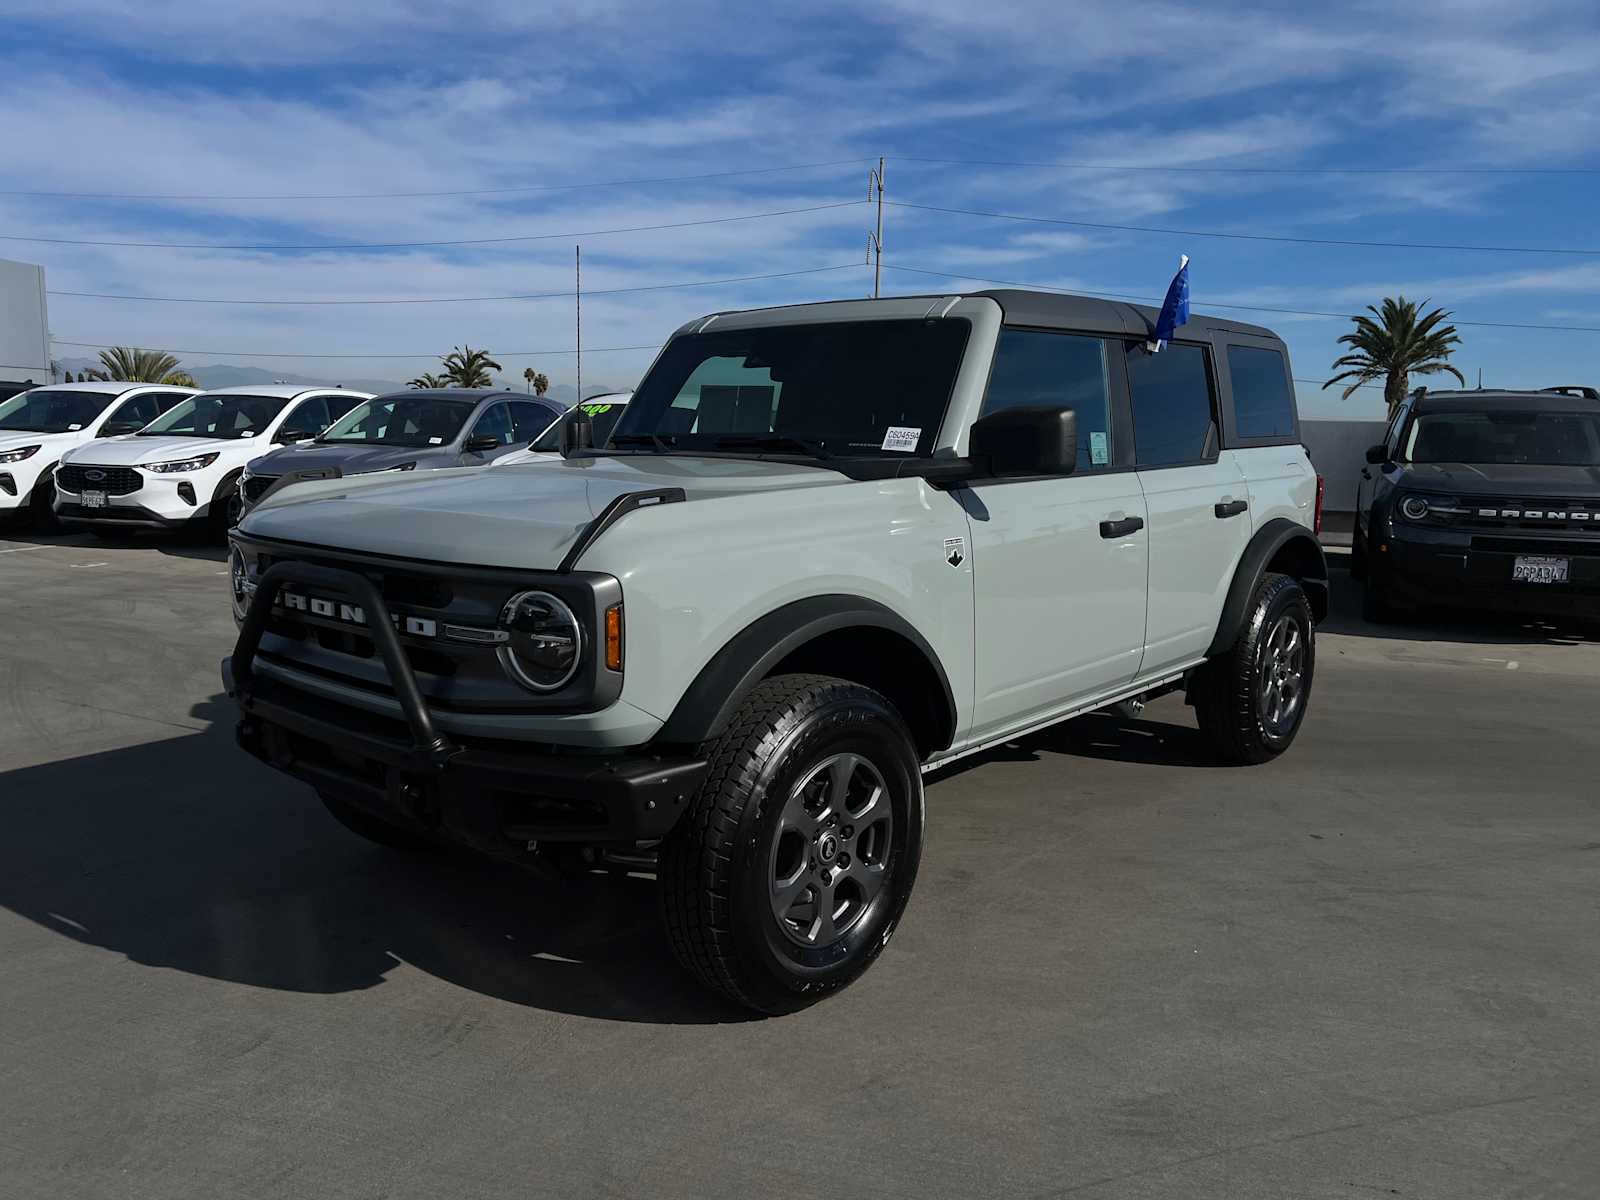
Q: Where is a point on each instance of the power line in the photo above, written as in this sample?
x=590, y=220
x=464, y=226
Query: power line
x=1244, y=237
x=1193, y=170
x=533, y=237
x=501, y=191
x=255, y=354
x=1298, y=312
x=566, y=295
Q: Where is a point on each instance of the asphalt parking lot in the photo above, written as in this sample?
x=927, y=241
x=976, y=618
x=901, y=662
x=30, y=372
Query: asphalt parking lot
x=1371, y=968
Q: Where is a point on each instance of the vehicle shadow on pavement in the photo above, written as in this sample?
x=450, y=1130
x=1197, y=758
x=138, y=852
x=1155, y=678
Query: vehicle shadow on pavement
x=1100, y=735
x=1442, y=625
x=195, y=544
x=186, y=854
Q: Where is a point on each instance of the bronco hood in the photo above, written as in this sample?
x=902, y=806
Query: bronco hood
x=1505, y=479
x=524, y=516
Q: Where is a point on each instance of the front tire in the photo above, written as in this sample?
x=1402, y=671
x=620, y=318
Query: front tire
x=41, y=507
x=1251, y=700
x=785, y=879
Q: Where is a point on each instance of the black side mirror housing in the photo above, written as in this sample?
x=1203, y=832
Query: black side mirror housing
x=290, y=436
x=577, y=432
x=481, y=444
x=119, y=428
x=1377, y=454
x=1032, y=440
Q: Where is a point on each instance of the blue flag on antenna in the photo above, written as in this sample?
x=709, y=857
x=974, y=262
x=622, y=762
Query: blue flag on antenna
x=1175, y=308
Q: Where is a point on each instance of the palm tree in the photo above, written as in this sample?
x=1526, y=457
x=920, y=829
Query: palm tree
x=428, y=380
x=469, y=368
x=541, y=383
x=133, y=365
x=1396, y=346
x=528, y=374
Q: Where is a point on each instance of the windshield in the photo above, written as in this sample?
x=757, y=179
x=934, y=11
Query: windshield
x=1513, y=436
x=402, y=421
x=852, y=389
x=220, y=416
x=603, y=415
x=52, y=412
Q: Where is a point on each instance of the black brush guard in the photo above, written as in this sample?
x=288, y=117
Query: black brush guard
x=496, y=799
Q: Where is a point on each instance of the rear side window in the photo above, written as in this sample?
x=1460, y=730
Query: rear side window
x=139, y=410
x=495, y=423
x=1057, y=370
x=338, y=405
x=1262, y=404
x=1172, y=406
x=527, y=421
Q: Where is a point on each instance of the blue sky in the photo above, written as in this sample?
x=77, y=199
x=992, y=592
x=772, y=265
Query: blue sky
x=300, y=97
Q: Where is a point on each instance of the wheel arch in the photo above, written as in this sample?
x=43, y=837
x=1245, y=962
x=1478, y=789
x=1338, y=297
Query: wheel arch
x=1283, y=547
x=846, y=636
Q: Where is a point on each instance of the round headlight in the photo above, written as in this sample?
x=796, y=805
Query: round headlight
x=1414, y=507
x=546, y=641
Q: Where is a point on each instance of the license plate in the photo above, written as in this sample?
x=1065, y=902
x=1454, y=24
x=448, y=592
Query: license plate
x=1538, y=568
x=94, y=499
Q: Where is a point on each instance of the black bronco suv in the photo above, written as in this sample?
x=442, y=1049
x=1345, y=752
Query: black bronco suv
x=1484, y=500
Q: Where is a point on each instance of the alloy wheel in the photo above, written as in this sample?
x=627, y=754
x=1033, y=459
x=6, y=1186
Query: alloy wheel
x=830, y=857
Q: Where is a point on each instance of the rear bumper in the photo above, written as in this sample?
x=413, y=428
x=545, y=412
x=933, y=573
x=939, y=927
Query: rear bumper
x=493, y=796
x=1469, y=571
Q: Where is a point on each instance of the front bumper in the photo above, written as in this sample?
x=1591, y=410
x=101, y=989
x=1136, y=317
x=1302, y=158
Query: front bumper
x=160, y=502
x=494, y=796
x=1462, y=569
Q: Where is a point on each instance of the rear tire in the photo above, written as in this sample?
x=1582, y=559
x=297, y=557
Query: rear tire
x=1358, y=555
x=375, y=829
x=1251, y=700
x=785, y=879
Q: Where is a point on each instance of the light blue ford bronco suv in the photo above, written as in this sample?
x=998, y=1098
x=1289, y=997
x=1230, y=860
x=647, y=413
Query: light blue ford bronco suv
x=825, y=550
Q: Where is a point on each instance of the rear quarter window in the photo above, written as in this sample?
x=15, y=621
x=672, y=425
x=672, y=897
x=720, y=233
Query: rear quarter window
x=1263, y=405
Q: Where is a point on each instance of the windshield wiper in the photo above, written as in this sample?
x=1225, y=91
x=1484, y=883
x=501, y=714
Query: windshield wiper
x=656, y=441
x=773, y=441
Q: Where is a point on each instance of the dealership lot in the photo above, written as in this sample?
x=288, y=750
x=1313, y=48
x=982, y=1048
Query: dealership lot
x=1369, y=968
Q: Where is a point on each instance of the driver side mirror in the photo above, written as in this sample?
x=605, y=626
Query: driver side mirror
x=577, y=432
x=1032, y=440
x=481, y=444
x=288, y=436
x=1377, y=455
x=120, y=428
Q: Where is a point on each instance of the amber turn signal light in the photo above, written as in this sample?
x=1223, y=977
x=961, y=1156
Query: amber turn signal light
x=614, y=638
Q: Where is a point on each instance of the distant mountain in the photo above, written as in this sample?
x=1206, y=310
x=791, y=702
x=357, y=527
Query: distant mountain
x=222, y=375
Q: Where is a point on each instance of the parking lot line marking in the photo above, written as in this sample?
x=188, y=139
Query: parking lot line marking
x=81, y=566
x=20, y=549
x=1512, y=665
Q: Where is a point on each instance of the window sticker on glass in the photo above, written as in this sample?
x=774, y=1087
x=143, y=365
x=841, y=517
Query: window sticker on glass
x=902, y=438
x=1099, y=454
x=435, y=441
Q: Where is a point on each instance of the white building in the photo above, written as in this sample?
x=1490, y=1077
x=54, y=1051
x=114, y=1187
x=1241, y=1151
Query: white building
x=24, y=328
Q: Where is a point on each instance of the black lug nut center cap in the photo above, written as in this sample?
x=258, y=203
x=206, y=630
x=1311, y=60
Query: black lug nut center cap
x=828, y=848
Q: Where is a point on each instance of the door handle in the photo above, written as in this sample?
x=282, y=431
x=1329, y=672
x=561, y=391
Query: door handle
x=1231, y=508
x=1366, y=474
x=1122, y=528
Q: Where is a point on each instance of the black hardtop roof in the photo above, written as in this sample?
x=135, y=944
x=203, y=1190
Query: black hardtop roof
x=1059, y=310
x=1503, y=399
x=473, y=394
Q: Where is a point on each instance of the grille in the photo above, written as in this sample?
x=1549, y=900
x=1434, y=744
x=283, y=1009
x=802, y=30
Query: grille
x=115, y=481
x=1477, y=518
x=256, y=486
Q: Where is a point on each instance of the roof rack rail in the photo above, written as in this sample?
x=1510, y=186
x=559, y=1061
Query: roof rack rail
x=1588, y=393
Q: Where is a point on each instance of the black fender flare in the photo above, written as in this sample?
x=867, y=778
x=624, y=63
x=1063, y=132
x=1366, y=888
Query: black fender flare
x=705, y=709
x=1263, y=548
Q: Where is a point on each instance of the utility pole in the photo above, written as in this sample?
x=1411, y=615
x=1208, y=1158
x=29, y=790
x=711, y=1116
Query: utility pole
x=578, y=251
x=875, y=240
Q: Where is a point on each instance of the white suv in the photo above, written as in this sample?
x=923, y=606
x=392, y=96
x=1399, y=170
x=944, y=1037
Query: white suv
x=826, y=549
x=183, y=468
x=40, y=425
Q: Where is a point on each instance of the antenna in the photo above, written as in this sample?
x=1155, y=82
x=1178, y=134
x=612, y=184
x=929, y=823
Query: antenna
x=875, y=240
x=578, y=295
x=1480, y=379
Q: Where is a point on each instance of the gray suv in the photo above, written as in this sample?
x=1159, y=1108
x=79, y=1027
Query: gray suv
x=427, y=428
